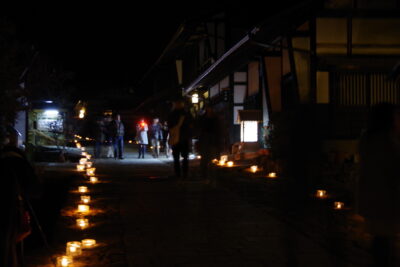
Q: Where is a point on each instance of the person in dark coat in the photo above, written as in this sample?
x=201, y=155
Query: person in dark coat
x=118, y=131
x=99, y=135
x=209, y=144
x=180, y=133
x=379, y=184
x=156, y=136
x=19, y=183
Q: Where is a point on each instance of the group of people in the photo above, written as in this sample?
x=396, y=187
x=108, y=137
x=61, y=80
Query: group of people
x=158, y=134
x=109, y=131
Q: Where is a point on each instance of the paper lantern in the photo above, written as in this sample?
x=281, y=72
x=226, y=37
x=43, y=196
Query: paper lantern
x=89, y=164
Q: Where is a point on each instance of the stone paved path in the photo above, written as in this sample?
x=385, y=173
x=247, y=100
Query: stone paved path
x=192, y=224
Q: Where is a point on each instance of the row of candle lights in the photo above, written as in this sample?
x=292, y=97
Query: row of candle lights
x=321, y=194
x=74, y=248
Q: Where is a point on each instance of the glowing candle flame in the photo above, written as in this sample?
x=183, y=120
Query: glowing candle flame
x=90, y=171
x=94, y=179
x=320, y=194
x=89, y=164
x=82, y=208
x=254, y=168
x=82, y=189
x=64, y=261
x=338, y=205
x=82, y=223
x=85, y=199
x=74, y=248
x=80, y=167
x=229, y=163
x=88, y=243
x=83, y=161
x=272, y=175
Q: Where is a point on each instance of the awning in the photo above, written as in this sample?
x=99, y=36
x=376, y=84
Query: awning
x=260, y=38
x=250, y=115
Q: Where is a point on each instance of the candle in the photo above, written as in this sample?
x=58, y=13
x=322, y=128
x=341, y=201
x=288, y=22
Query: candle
x=82, y=189
x=83, y=208
x=90, y=171
x=198, y=157
x=83, y=148
x=321, y=194
x=78, y=145
x=74, y=248
x=84, y=154
x=83, y=161
x=221, y=162
x=64, y=261
x=229, y=163
x=88, y=243
x=272, y=175
x=338, y=205
x=93, y=179
x=130, y=141
x=89, y=164
x=254, y=168
x=85, y=199
x=215, y=161
x=88, y=156
x=80, y=167
x=82, y=223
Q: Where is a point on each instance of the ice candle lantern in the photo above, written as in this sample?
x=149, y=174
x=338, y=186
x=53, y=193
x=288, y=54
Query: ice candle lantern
x=74, y=248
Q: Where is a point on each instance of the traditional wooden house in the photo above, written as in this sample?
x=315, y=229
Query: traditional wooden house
x=331, y=58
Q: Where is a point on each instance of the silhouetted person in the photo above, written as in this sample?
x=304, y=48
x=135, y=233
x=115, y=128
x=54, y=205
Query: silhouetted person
x=156, y=137
x=165, y=132
x=19, y=183
x=118, y=131
x=99, y=135
x=209, y=134
x=142, y=138
x=180, y=127
x=379, y=191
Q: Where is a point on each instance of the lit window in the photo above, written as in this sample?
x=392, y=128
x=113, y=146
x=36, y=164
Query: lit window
x=249, y=131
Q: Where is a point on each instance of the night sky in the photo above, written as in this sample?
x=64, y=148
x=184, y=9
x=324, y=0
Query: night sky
x=113, y=45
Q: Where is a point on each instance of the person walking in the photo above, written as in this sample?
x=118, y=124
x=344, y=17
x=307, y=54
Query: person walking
x=209, y=145
x=165, y=133
x=99, y=134
x=156, y=136
x=379, y=183
x=20, y=184
x=180, y=131
x=118, y=131
x=141, y=138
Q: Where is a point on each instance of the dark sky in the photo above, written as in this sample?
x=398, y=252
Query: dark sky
x=111, y=44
